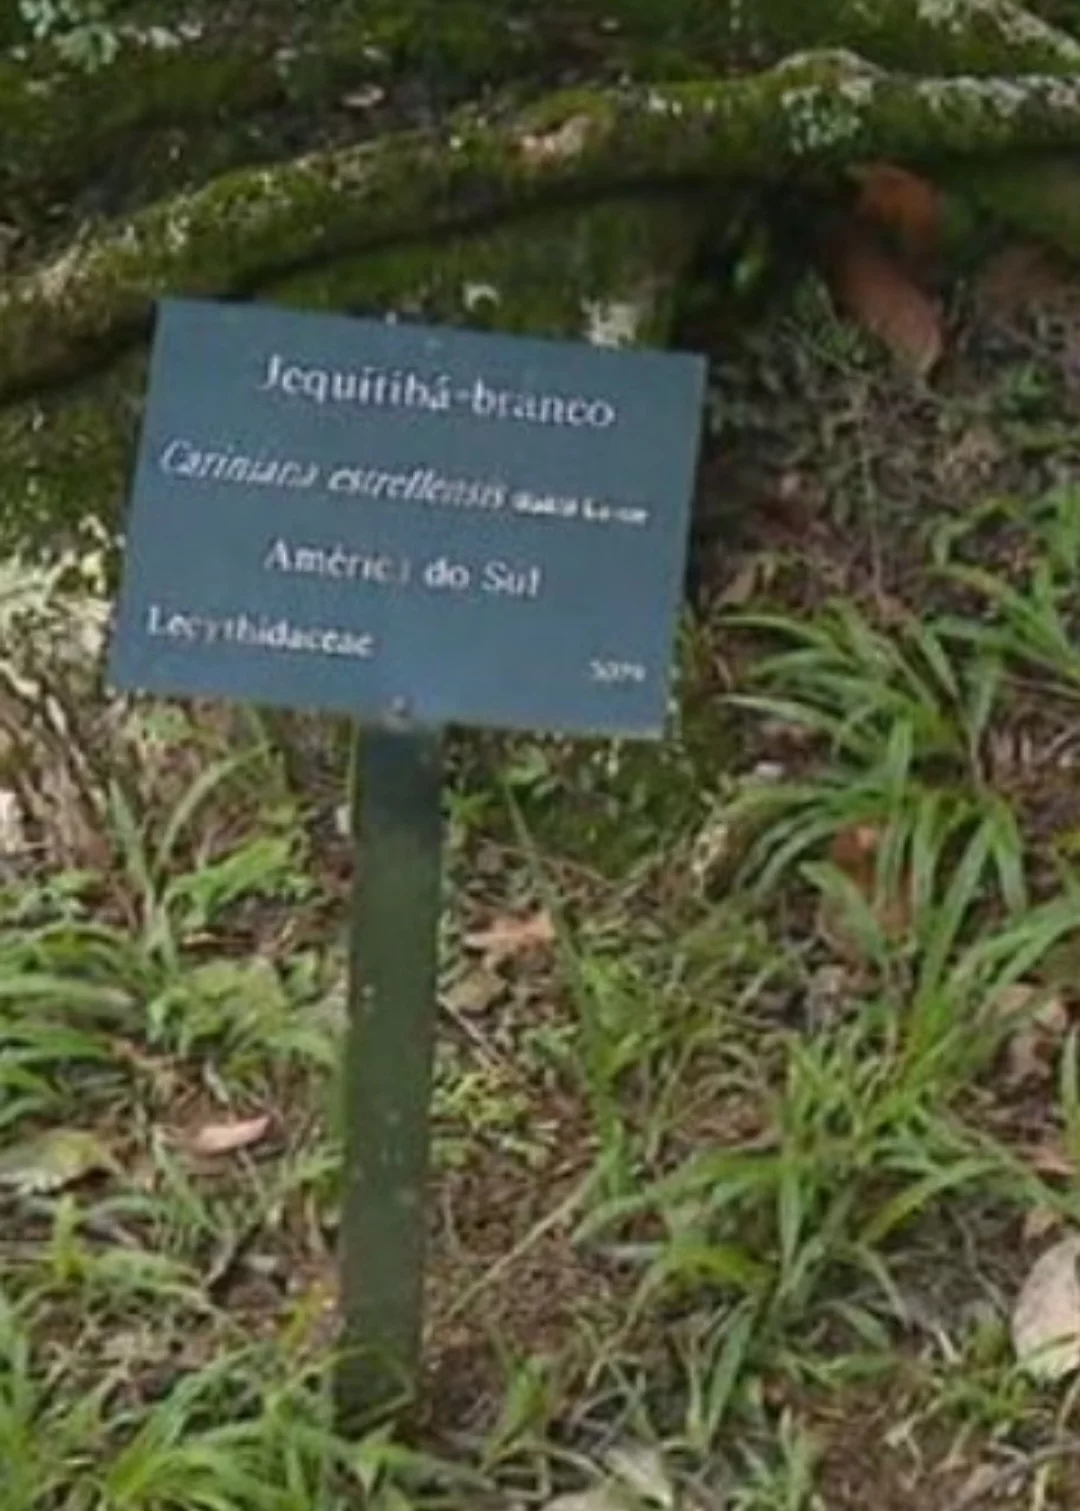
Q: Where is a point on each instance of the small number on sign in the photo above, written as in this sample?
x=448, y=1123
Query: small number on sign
x=616, y=671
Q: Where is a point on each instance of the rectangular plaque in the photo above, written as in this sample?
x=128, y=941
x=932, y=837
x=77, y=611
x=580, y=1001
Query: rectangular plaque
x=389, y=519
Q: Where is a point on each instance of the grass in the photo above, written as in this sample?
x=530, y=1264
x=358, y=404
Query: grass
x=735, y=1177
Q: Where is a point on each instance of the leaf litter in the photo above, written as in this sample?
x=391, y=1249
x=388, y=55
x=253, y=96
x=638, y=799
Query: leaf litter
x=534, y=1303
x=1046, y=1318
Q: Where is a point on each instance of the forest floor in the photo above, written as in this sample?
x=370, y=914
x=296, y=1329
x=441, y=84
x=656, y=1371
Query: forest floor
x=758, y=1094
x=741, y=1157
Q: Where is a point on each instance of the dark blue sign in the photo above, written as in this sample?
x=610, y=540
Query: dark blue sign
x=385, y=519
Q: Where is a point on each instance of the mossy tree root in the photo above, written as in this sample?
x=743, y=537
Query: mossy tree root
x=60, y=130
x=964, y=37
x=249, y=227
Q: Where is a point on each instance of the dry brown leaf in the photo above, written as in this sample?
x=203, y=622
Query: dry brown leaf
x=1039, y=1223
x=1050, y=1158
x=1046, y=1320
x=979, y=1485
x=854, y=851
x=228, y=1138
x=744, y=585
x=607, y=1497
x=54, y=1160
x=474, y=992
x=874, y=291
x=909, y=208
x=642, y=1469
x=1036, y=1021
x=507, y=938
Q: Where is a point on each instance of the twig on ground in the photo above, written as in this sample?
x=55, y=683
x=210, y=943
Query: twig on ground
x=1026, y=1465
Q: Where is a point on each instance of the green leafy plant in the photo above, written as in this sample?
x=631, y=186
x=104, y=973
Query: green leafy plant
x=1030, y=616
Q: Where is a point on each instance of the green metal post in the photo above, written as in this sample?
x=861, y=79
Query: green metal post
x=393, y=949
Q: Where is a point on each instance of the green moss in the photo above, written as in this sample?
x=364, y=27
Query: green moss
x=66, y=463
x=481, y=42
x=60, y=131
x=928, y=37
x=551, y=273
x=251, y=226
x=154, y=120
x=453, y=47
x=1041, y=198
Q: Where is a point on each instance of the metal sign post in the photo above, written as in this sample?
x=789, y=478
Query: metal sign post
x=393, y=966
x=361, y=516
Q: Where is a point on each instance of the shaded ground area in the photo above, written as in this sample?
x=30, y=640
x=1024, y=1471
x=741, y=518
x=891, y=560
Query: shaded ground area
x=672, y=1141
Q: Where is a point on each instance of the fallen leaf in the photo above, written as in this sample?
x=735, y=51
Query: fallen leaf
x=603, y=1498
x=743, y=586
x=1046, y=1320
x=1035, y=1021
x=874, y=291
x=978, y=1485
x=641, y=1469
x=507, y=938
x=1039, y=1223
x=474, y=992
x=228, y=1138
x=1050, y=1158
x=54, y=1160
x=854, y=851
x=908, y=207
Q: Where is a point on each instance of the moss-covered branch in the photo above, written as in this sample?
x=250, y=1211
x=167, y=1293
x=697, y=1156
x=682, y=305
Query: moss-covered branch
x=158, y=117
x=973, y=37
x=249, y=227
